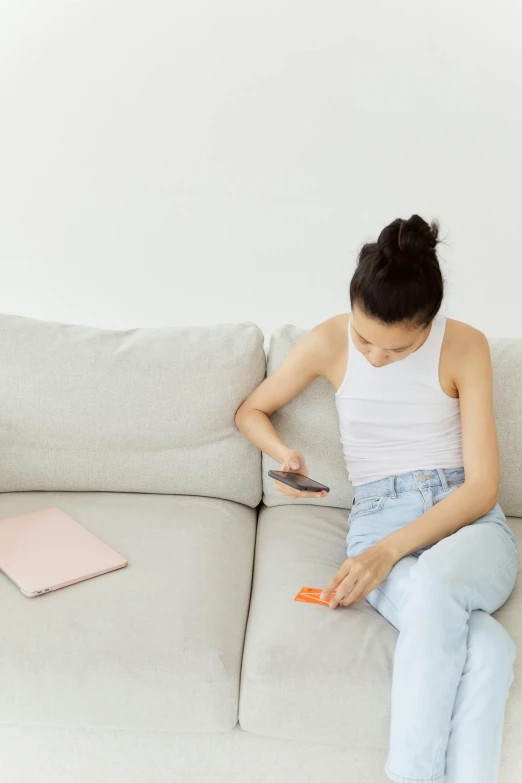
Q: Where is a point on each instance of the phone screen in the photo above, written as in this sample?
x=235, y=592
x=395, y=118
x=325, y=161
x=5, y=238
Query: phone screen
x=303, y=481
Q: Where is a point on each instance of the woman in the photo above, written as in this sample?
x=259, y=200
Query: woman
x=428, y=545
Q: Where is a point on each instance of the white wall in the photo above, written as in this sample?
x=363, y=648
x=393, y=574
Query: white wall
x=167, y=163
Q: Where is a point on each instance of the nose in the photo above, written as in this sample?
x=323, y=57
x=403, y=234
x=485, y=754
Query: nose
x=377, y=360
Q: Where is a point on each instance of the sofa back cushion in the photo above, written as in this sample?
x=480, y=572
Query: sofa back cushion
x=506, y=359
x=310, y=423
x=135, y=410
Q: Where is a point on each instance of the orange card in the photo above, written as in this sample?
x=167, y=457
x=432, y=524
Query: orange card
x=311, y=596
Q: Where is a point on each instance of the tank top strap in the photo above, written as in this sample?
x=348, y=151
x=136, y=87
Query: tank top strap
x=430, y=357
x=350, y=342
x=355, y=357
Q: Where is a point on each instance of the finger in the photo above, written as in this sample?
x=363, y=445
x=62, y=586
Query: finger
x=285, y=489
x=292, y=493
x=358, y=592
x=336, y=579
x=283, y=485
x=347, y=584
x=295, y=493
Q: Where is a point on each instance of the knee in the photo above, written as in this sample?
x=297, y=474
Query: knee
x=491, y=648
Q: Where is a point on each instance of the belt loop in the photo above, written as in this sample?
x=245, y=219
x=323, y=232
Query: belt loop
x=443, y=479
x=391, y=487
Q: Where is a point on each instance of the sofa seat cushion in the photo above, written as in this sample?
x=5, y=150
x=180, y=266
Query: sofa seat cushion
x=156, y=645
x=316, y=674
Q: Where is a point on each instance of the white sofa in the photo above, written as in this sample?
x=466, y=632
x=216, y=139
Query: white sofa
x=195, y=663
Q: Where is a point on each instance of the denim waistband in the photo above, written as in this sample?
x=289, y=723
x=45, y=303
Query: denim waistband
x=417, y=479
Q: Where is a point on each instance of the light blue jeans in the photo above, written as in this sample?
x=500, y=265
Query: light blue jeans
x=453, y=662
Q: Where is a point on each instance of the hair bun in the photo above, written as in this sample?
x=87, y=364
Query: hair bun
x=417, y=239
x=398, y=278
x=411, y=240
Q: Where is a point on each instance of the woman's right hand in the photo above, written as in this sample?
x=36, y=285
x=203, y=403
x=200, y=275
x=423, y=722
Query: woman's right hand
x=295, y=463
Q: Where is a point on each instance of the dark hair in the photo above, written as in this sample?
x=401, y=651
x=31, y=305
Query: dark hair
x=400, y=281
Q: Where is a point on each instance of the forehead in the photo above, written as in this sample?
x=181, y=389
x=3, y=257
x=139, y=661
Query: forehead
x=384, y=336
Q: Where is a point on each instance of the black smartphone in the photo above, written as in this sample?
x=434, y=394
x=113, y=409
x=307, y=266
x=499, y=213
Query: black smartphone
x=298, y=481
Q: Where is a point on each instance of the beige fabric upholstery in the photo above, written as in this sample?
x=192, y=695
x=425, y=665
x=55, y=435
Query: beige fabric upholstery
x=315, y=674
x=506, y=358
x=154, y=646
x=142, y=674
x=136, y=410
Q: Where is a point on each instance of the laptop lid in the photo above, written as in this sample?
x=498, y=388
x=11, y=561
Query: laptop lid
x=47, y=549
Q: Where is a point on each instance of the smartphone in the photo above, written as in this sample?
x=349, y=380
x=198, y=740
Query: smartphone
x=298, y=481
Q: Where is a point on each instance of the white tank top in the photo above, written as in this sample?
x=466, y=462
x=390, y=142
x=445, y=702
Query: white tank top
x=396, y=419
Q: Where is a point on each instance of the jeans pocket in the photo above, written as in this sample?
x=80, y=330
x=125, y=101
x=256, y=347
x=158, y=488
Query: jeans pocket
x=455, y=484
x=366, y=506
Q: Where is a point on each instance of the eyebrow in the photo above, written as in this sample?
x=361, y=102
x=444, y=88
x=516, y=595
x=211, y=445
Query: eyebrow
x=386, y=349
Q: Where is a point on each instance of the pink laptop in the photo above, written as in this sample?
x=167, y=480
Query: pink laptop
x=48, y=549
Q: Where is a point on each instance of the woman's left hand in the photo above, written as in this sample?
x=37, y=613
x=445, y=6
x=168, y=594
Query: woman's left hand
x=364, y=571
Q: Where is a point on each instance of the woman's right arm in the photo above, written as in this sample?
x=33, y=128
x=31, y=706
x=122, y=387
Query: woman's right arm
x=304, y=362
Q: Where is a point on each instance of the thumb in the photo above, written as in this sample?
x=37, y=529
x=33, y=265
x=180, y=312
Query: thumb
x=294, y=464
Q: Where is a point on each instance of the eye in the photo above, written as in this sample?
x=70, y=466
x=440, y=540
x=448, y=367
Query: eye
x=399, y=350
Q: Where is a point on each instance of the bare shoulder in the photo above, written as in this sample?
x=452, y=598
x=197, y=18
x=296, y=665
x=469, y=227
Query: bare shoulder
x=465, y=357
x=332, y=333
x=333, y=337
x=334, y=328
x=462, y=340
x=311, y=356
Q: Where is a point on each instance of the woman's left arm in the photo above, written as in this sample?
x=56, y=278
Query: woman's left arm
x=473, y=378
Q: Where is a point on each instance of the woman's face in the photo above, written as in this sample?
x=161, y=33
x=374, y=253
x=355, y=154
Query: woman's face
x=383, y=344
